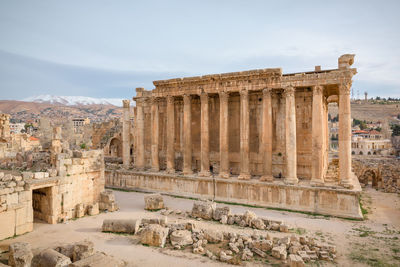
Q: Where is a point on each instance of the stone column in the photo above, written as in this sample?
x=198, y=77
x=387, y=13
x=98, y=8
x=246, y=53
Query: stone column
x=155, y=163
x=187, y=134
x=140, y=134
x=244, y=136
x=205, y=136
x=290, y=136
x=267, y=135
x=223, y=135
x=344, y=134
x=125, y=133
x=170, y=134
x=318, y=132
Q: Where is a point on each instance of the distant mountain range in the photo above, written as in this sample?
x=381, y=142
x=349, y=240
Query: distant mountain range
x=74, y=100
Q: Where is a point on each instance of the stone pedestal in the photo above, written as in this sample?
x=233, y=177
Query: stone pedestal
x=205, y=136
x=170, y=134
x=290, y=137
x=223, y=135
x=267, y=135
x=187, y=134
x=244, y=136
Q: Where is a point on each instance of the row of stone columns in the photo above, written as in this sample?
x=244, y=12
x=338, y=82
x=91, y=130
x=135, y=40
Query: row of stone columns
x=318, y=140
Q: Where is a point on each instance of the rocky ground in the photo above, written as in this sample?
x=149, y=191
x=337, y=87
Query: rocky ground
x=373, y=242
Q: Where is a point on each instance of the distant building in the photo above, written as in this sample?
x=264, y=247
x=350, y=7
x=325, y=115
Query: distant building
x=79, y=122
x=17, y=127
x=370, y=142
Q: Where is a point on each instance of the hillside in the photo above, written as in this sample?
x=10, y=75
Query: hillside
x=21, y=110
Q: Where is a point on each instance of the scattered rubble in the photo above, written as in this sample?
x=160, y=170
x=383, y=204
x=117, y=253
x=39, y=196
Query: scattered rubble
x=153, y=202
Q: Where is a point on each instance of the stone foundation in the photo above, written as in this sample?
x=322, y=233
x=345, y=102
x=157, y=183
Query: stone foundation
x=338, y=202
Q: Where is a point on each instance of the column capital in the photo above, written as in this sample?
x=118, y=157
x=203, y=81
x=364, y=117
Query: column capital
x=126, y=103
x=223, y=95
x=267, y=91
x=204, y=96
x=244, y=93
x=289, y=91
x=170, y=99
x=318, y=90
x=154, y=100
x=186, y=99
x=345, y=88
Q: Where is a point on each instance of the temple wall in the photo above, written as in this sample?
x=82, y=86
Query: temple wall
x=341, y=203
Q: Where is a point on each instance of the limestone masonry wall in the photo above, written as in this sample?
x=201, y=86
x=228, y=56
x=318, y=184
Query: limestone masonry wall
x=69, y=191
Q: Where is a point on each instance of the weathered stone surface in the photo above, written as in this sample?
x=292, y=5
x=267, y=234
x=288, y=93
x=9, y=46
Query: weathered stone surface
x=258, y=223
x=153, y=202
x=248, y=216
x=221, y=211
x=154, y=235
x=279, y=252
x=203, y=209
x=20, y=254
x=121, y=226
x=213, y=236
x=263, y=245
x=93, y=209
x=223, y=257
x=259, y=252
x=98, y=259
x=50, y=258
x=295, y=261
x=181, y=238
x=82, y=250
x=80, y=210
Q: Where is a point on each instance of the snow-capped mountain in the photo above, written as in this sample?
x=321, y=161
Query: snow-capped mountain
x=73, y=100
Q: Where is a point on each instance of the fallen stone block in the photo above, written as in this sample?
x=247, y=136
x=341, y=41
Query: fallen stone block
x=79, y=210
x=154, y=235
x=82, y=250
x=213, y=236
x=181, y=238
x=93, y=209
x=263, y=245
x=279, y=252
x=283, y=228
x=295, y=261
x=98, y=259
x=153, y=202
x=258, y=224
x=203, y=209
x=50, y=257
x=259, y=252
x=121, y=226
x=248, y=216
x=221, y=211
x=20, y=254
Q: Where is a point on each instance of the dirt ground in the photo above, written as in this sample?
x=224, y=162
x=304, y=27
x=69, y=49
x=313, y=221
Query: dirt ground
x=372, y=242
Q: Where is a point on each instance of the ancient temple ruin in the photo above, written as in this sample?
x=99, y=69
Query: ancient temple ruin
x=256, y=137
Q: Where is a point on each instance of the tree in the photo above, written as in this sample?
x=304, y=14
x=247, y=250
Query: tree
x=396, y=130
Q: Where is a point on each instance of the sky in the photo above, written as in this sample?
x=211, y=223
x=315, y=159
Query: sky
x=108, y=48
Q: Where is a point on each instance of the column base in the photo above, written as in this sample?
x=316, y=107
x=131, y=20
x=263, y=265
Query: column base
x=155, y=169
x=244, y=176
x=316, y=182
x=204, y=174
x=291, y=180
x=187, y=172
x=170, y=171
x=347, y=184
x=267, y=178
x=224, y=175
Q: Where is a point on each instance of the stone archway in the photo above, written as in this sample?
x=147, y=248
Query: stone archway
x=115, y=148
x=371, y=175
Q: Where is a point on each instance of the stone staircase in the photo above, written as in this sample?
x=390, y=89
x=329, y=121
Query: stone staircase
x=332, y=174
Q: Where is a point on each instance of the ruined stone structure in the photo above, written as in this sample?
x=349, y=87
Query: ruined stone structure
x=263, y=133
x=70, y=191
